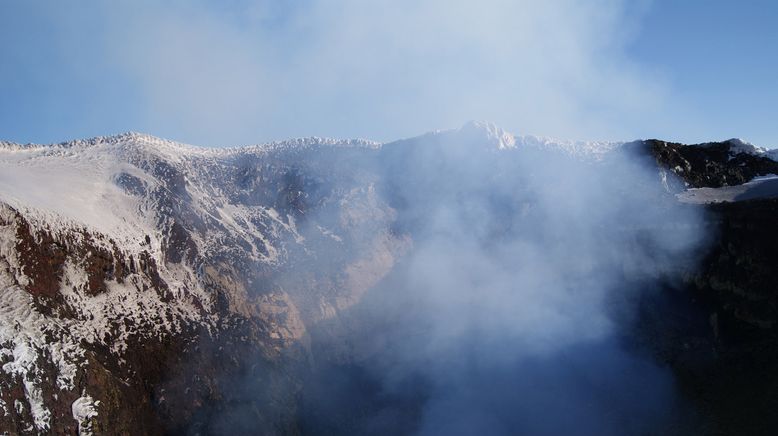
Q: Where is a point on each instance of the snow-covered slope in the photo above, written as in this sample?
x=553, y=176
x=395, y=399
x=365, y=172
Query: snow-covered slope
x=759, y=187
x=112, y=243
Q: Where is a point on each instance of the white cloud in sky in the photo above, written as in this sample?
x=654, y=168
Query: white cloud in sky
x=250, y=71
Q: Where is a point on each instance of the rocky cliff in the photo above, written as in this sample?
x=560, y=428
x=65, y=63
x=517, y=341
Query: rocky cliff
x=150, y=287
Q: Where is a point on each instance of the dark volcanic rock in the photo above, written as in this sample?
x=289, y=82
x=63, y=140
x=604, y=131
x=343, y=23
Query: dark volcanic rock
x=713, y=164
x=718, y=332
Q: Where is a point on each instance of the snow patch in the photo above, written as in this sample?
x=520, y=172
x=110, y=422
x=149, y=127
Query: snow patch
x=27, y=340
x=737, y=146
x=84, y=409
x=759, y=187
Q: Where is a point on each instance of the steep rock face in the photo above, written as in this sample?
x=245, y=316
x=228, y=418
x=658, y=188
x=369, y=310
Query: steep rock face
x=153, y=287
x=148, y=275
x=72, y=305
x=717, y=330
x=740, y=269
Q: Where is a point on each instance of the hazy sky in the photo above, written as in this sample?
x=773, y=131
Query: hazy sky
x=248, y=71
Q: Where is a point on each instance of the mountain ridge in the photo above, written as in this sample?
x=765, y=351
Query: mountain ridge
x=493, y=134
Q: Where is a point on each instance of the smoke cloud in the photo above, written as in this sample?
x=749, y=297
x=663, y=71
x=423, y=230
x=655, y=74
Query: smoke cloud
x=515, y=311
x=247, y=71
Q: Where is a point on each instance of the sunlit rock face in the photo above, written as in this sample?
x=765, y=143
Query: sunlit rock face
x=148, y=275
x=431, y=285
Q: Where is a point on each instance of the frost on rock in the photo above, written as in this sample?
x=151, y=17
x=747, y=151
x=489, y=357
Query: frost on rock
x=41, y=353
x=114, y=243
x=84, y=409
x=27, y=341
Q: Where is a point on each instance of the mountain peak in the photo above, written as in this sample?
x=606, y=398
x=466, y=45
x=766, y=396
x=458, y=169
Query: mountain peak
x=495, y=136
x=737, y=145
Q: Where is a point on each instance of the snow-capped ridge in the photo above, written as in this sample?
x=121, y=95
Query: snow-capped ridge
x=579, y=148
x=494, y=135
x=471, y=134
x=300, y=144
x=489, y=135
x=120, y=138
x=475, y=132
x=504, y=140
x=483, y=132
x=737, y=145
x=159, y=144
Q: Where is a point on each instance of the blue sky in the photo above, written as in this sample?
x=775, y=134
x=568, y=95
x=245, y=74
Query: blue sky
x=722, y=57
x=248, y=71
